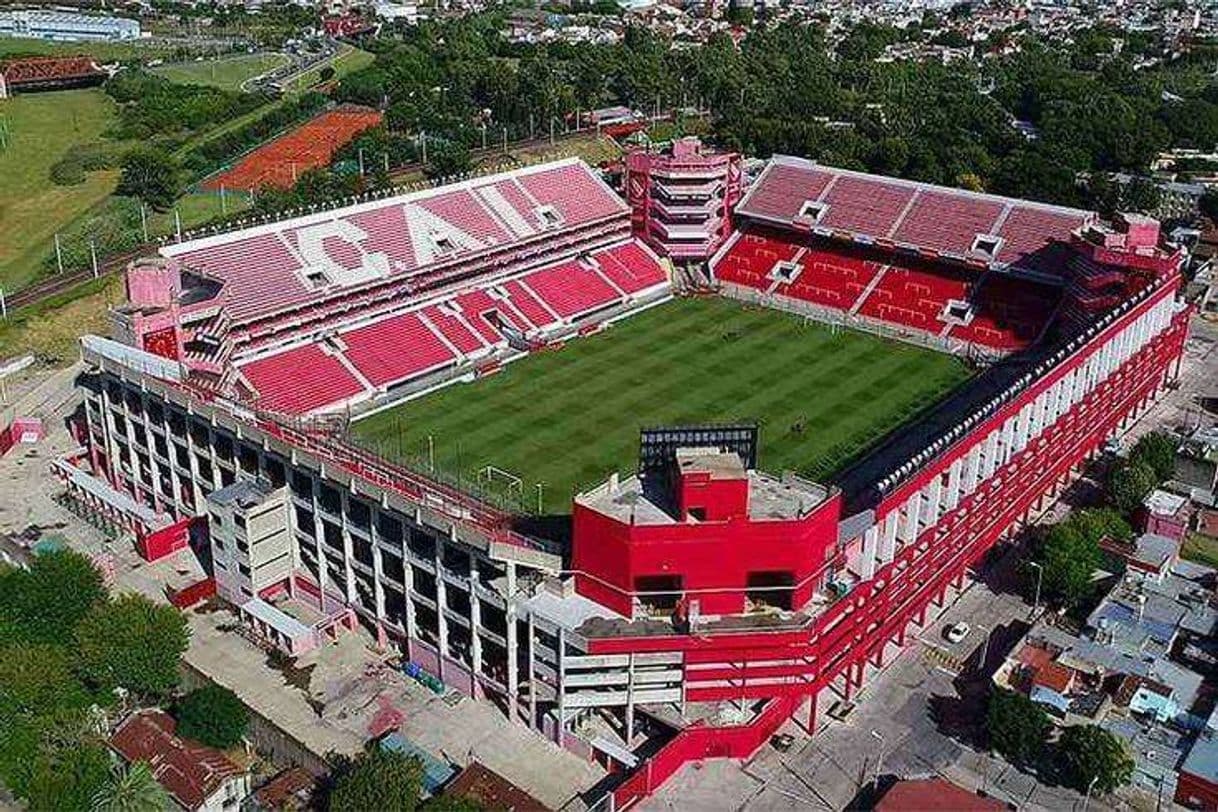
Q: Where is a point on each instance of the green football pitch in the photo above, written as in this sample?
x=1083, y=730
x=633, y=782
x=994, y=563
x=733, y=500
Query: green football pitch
x=567, y=418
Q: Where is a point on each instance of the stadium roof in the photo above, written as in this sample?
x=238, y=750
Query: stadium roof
x=965, y=226
x=307, y=260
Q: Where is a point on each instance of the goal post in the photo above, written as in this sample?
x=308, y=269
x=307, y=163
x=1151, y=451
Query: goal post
x=493, y=477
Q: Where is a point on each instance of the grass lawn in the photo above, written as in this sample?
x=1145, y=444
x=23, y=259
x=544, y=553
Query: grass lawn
x=570, y=417
x=51, y=329
x=42, y=127
x=226, y=72
x=1200, y=549
x=592, y=148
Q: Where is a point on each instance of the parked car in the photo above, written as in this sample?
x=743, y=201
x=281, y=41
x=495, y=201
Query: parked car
x=957, y=632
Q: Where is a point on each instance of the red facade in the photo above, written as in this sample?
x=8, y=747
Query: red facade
x=712, y=558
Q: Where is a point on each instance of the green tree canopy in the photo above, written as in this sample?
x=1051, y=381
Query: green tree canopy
x=36, y=681
x=132, y=643
x=152, y=175
x=377, y=779
x=44, y=603
x=1157, y=450
x=66, y=780
x=1018, y=727
x=1091, y=754
x=1129, y=483
x=212, y=715
x=1069, y=557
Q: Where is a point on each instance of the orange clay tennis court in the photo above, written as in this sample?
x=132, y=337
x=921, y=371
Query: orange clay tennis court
x=279, y=162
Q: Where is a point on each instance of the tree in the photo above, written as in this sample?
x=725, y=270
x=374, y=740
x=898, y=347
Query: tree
x=1128, y=484
x=44, y=603
x=131, y=789
x=1018, y=727
x=377, y=779
x=133, y=643
x=1157, y=450
x=36, y=681
x=152, y=175
x=447, y=159
x=1091, y=754
x=212, y=715
x=68, y=779
x=1069, y=557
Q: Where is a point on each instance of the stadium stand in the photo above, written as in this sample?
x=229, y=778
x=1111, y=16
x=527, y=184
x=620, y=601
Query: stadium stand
x=969, y=269
x=398, y=289
x=34, y=73
x=949, y=223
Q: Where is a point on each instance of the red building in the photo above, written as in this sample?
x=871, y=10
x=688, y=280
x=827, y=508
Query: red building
x=728, y=537
x=682, y=199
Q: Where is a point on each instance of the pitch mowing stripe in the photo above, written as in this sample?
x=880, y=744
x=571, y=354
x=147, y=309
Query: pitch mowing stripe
x=569, y=417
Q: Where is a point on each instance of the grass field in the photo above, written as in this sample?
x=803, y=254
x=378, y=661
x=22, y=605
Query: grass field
x=105, y=51
x=1201, y=549
x=42, y=127
x=227, y=72
x=568, y=418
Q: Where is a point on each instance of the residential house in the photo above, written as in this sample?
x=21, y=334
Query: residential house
x=198, y=778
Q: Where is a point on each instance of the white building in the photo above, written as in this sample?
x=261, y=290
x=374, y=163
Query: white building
x=64, y=26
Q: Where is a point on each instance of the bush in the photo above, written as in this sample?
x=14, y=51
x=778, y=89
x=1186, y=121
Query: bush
x=212, y=715
x=152, y=106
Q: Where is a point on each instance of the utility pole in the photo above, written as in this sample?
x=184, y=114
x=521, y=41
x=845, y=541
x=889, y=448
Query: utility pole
x=144, y=220
x=361, y=162
x=177, y=217
x=93, y=254
x=3, y=306
x=532, y=133
x=1040, y=571
x=59, y=252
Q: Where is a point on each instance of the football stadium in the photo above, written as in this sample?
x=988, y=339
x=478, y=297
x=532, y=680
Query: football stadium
x=651, y=511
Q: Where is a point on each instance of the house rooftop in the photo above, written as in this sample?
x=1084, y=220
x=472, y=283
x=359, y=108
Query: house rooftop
x=190, y=772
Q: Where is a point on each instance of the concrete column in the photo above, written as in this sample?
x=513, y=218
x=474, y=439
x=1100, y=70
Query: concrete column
x=910, y=512
x=475, y=623
x=532, y=674
x=513, y=666
x=972, y=469
x=1008, y=440
x=871, y=541
x=441, y=592
x=955, y=475
x=934, y=491
x=991, y=456
x=888, y=541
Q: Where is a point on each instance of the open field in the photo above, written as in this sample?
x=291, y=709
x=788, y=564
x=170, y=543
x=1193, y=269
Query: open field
x=228, y=72
x=570, y=417
x=51, y=329
x=41, y=129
